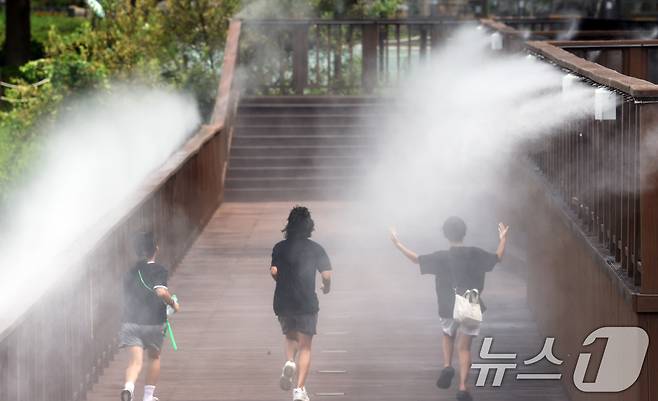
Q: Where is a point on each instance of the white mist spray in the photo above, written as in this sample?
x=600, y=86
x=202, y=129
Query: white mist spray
x=99, y=153
x=457, y=126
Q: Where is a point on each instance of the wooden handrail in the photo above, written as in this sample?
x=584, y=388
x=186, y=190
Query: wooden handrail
x=635, y=87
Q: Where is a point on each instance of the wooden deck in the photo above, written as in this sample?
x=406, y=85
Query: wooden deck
x=379, y=335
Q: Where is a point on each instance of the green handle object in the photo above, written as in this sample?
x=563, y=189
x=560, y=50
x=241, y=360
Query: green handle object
x=172, y=340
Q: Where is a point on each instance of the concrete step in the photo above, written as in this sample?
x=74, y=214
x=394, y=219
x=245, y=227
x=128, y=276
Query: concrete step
x=299, y=151
x=308, y=171
x=301, y=140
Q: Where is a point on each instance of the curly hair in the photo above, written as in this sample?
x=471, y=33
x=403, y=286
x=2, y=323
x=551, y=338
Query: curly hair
x=300, y=224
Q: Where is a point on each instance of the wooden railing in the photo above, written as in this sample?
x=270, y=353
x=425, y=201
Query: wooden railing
x=602, y=169
x=635, y=58
x=57, y=350
x=283, y=57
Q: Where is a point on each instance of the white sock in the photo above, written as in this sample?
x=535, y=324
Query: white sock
x=148, y=393
x=130, y=387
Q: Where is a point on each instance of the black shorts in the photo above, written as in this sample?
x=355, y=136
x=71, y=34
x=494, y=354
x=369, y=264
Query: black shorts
x=305, y=324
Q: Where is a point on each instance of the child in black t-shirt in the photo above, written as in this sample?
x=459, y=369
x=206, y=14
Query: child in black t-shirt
x=460, y=268
x=144, y=315
x=295, y=262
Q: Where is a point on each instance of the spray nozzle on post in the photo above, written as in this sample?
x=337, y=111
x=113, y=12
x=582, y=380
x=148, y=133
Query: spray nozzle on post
x=605, y=105
x=496, y=41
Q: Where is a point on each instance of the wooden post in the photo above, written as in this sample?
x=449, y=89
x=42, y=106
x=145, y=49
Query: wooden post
x=300, y=58
x=648, y=120
x=636, y=62
x=423, y=42
x=437, y=34
x=369, y=62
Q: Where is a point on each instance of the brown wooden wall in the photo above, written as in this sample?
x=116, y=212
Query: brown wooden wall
x=59, y=347
x=571, y=289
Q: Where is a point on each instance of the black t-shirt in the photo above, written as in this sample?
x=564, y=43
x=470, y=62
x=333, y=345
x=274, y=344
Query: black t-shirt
x=467, y=265
x=297, y=260
x=141, y=305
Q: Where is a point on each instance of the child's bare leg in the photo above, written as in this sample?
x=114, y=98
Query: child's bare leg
x=135, y=364
x=153, y=372
x=464, y=350
x=304, y=358
x=448, y=349
x=292, y=345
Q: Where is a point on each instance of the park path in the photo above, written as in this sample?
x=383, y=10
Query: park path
x=379, y=335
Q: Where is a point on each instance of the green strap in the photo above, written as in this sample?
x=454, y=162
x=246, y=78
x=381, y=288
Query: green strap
x=169, y=330
x=143, y=282
x=172, y=340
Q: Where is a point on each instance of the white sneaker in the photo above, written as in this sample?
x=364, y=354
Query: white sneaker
x=287, y=374
x=300, y=394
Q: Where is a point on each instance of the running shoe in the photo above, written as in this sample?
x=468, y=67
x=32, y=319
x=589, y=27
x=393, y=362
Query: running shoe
x=464, y=396
x=126, y=395
x=287, y=374
x=300, y=394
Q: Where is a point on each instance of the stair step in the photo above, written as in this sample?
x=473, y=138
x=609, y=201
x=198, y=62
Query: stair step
x=300, y=140
x=305, y=119
x=295, y=161
x=287, y=194
x=289, y=182
x=298, y=151
x=347, y=130
x=309, y=109
x=308, y=171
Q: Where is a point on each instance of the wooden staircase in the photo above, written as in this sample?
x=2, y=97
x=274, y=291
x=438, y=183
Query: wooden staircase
x=300, y=148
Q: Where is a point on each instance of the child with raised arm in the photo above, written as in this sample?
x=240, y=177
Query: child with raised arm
x=146, y=297
x=457, y=269
x=295, y=262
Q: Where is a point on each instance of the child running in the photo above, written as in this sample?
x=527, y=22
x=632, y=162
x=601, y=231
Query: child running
x=144, y=315
x=295, y=261
x=460, y=268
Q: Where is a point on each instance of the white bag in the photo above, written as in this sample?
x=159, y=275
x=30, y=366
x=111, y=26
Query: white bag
x=467, y=309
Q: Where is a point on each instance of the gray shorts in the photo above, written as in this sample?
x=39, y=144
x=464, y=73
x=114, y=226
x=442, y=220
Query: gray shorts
x=305, y=324
x=141, y=335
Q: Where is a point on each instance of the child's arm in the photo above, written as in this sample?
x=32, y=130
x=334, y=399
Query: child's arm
x=502, y=234
x=164, y=294
x=411, y=255
x=326, y=281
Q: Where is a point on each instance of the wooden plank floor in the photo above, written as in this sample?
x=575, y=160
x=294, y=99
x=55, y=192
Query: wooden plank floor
x=379, y=335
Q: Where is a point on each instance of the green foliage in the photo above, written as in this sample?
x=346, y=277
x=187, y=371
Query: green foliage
x=178, y=43
x=41, y=23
